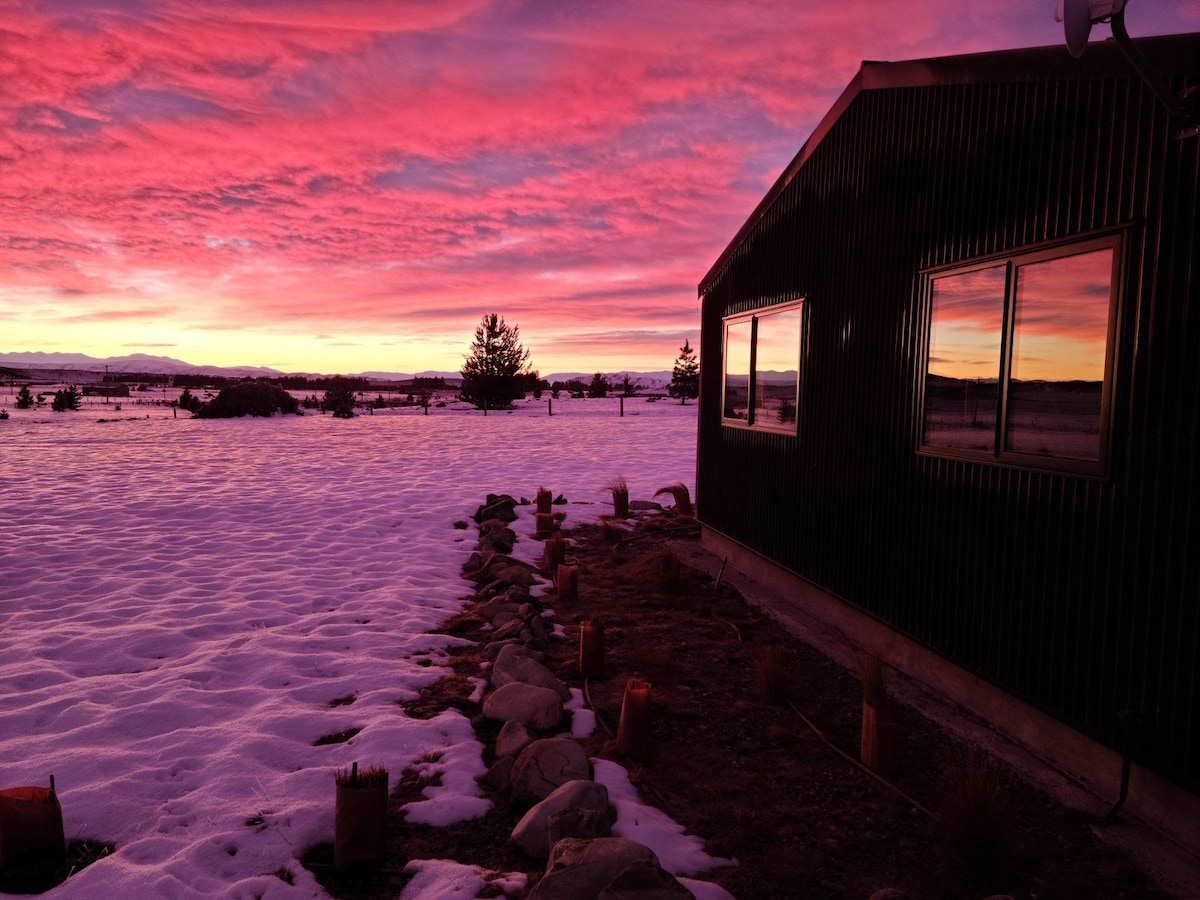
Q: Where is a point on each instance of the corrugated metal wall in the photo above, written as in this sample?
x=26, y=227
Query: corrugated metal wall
x=1079, y=595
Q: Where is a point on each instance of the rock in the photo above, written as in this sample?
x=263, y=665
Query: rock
x=513, y=667
x=535, y=706
x=578, y=823
x=498, y=775
x=516, y=630
x=512, y=739
x=495, y=535
x=504, y=616
x=546, y=765
x=532, y=834
x=497, y=506
x=645, y=505
x=517, y=573
x=495, y=647
x=507, y=651
x=581, y=869
x=537, y=631
x=645, y=880
x=488, y=567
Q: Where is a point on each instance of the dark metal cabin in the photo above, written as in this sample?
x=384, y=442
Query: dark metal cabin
x=951, y=377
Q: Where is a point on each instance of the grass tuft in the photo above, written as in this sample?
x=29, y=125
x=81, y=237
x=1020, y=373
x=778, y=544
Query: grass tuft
x=620, y=497
x=372, y=777
x=683, y=499
x=978, y=821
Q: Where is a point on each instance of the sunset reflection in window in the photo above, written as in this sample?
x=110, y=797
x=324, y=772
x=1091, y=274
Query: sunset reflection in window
x=1037, y=387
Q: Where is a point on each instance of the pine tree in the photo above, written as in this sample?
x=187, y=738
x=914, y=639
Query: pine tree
x=599, y=386
x=68, y=398
x=493, y=375
x=24, y=398
x=685, y=378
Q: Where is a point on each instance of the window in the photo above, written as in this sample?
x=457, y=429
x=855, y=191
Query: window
x=762, y=368
x=1020, y=351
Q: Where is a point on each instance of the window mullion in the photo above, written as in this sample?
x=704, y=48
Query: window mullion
x=1005, y=373
x=752, y=391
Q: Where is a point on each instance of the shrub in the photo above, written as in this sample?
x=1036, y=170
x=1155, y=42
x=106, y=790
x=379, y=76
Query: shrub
x=339, y=398
x=249, y=398
x=188, y=401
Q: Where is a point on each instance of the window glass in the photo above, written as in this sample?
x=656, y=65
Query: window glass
x=737, y=369
x=776, y=369
x=762, y=367
x=1060, y=336
x=1019, y=357
x=961, y=383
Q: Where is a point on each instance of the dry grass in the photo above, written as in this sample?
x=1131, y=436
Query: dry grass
x=979, y=820
x=659, y=567
x=620, y=497
x=683, y=499
x=355, y=777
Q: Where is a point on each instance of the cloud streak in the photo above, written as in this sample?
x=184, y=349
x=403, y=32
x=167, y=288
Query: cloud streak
x=376, y=175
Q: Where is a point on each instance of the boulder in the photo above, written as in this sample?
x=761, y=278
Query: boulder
x=581, y=869
x=578, y=823
x=497, y=506
x=517, y=573
x=513, y=667
x=497, y=776
x=512, y=739
x=507, y=651
x=645, y=880
x=535, y=706
x=497, y=536
x=546, y=765
x=532, y=834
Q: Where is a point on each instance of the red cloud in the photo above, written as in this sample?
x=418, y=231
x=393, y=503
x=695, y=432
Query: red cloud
x=393, y=170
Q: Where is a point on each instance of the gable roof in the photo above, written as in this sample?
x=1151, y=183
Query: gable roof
x=1172, y=55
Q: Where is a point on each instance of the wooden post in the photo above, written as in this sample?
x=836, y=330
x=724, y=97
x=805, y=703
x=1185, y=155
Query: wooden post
x=556, y=553
x=360, y=817
x=633, y=732
x=545, y=500
x=32, y=845
x=568, y=583
x=622, y=407
x=591, y=649
x=543, y=525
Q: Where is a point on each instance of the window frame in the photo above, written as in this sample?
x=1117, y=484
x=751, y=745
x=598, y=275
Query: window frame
x=752, y=421
x=1012, y=262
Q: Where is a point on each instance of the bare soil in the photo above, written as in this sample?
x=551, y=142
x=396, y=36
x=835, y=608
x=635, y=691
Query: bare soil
x=753, y=747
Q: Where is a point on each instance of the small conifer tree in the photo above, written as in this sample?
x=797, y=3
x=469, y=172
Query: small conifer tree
x=685, y=377
x=24, y=398
x=599, y=386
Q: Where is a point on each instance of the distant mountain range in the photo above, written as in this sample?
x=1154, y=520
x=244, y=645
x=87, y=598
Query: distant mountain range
x=166, y=365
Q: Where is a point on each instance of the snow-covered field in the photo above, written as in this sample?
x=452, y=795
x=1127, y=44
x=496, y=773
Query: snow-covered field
x=181, y=601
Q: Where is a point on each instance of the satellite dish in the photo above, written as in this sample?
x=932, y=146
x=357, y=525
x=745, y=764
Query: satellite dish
x=1078, y=16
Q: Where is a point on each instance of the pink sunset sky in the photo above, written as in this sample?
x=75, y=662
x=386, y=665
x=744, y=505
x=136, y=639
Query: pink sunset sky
x=347, y=186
